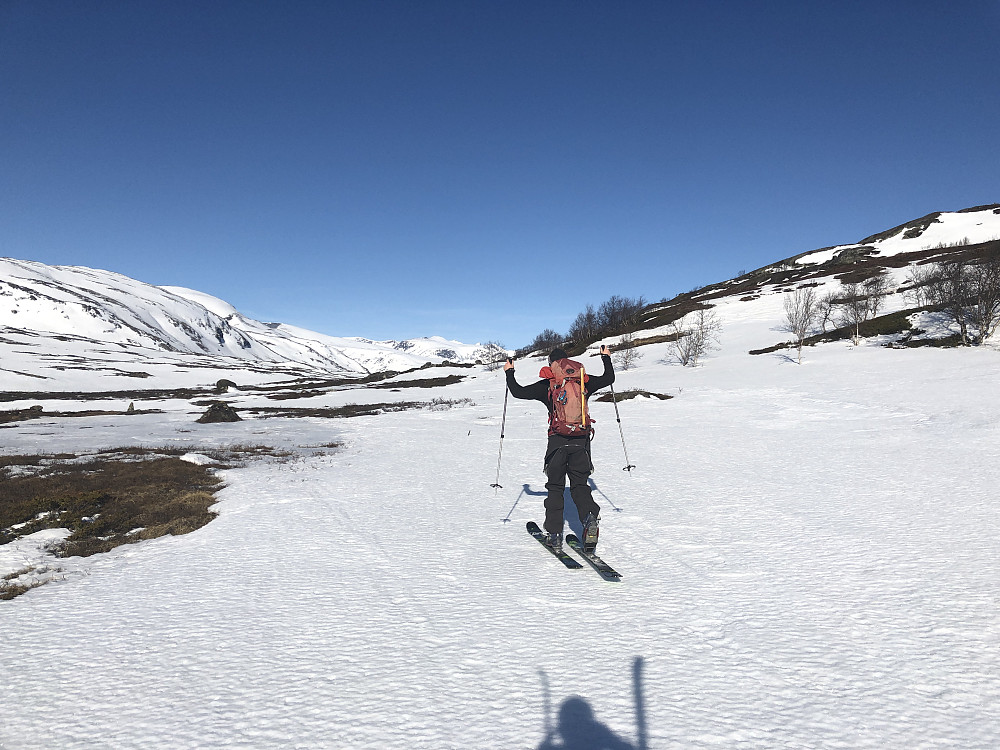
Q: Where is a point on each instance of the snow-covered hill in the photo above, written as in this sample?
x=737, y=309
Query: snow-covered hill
x=972, y=233
x=810, y=560
x=73, y=328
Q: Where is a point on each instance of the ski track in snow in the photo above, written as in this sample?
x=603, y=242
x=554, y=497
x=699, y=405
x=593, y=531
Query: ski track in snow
x=810, y=559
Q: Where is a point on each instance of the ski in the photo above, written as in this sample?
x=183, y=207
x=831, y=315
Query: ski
x=607, y=572
x=564, y=558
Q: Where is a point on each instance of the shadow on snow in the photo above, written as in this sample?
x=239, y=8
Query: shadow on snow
x=576, y=726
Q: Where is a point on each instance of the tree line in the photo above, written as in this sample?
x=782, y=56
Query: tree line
x=691, y=336
x=966, y=292
x=615, y=316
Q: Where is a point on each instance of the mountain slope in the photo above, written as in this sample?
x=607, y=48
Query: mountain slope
x=972, y=233
x=60, y=323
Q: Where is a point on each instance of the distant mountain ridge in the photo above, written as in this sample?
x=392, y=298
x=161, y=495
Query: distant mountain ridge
x=59, y=320
x=73, y=328
x=963, y=235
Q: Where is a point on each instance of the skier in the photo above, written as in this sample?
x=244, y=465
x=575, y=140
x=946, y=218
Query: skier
x=564, y=389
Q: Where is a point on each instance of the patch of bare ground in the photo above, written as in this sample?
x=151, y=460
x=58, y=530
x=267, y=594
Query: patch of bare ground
x=630, y=394
x=117, y=496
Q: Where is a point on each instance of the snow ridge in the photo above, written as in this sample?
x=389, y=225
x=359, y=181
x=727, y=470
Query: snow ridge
x=62, y=317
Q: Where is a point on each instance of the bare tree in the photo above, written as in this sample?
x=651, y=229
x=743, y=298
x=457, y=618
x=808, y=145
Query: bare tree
x=826, y=309
x=853, y=308
x=586, y=326
x=969, y=295
x=949, y=290
x=492, y=354
x=801, y=311
x=985, y=282
x=876, y=290
x=619, y=314
x=547, y=339
x=918, y=277
x=860, y=303
x=626, y=353
x=697, y=334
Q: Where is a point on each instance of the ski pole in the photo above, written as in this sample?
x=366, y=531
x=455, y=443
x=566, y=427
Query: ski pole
x=628, y=466
x=503, y=426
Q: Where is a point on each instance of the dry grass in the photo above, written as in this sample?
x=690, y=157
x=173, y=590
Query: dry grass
x=9, y=589
x=631, y=393
x=106, y=502
x=336, y=412
x=23, y=415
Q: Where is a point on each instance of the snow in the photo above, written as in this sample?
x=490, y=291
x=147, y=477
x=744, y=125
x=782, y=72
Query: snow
x=62, y=324
x=213, y=304
x=198, y=459
x=821, y=256
x=949, y=229
x=810, y=559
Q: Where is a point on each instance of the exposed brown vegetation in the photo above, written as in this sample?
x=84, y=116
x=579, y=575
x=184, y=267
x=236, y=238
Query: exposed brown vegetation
x=630, y=394
x=105, y=501
x=22, y=415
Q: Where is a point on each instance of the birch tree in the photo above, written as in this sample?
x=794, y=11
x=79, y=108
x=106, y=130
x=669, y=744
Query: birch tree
x=697, y=334
x=801, y=311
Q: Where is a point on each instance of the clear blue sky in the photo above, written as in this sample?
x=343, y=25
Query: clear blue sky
x=480, y=170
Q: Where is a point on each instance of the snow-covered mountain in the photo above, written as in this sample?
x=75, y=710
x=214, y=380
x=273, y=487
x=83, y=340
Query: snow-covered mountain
x=60, y=325
x=969, y=234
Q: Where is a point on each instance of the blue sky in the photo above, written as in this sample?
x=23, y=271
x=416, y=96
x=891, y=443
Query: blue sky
x=480, y=170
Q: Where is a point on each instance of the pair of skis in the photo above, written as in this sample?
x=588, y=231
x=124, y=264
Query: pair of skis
x=606, y=571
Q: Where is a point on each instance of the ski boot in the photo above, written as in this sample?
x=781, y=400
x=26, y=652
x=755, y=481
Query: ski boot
x=555, y=541
x=591, y=529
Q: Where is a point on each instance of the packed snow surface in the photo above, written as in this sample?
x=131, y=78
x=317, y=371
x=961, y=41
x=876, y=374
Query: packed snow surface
x=810, y=558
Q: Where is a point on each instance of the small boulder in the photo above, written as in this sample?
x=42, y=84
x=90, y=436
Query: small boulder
x=224, y=385
x=219, y=411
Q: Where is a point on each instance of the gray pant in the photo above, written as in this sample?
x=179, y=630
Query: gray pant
x=567, y=457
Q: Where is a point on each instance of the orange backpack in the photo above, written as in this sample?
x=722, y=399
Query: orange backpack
x=568, y=397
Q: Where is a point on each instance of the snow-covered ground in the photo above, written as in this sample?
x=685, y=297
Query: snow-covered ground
x=811, y=559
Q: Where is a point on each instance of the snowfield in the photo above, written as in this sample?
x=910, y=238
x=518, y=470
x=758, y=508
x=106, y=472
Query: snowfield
x=810, y=558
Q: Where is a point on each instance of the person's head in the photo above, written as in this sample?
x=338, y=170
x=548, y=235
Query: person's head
x=557, y=353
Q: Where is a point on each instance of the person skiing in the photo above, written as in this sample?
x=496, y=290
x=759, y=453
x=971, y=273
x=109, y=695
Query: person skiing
x=564, y=388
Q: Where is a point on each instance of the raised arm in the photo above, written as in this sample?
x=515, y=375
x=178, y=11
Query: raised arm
x=536, y=391
x=597, y=382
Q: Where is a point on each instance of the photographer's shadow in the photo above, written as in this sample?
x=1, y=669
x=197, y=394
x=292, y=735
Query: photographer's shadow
x=579, y=729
